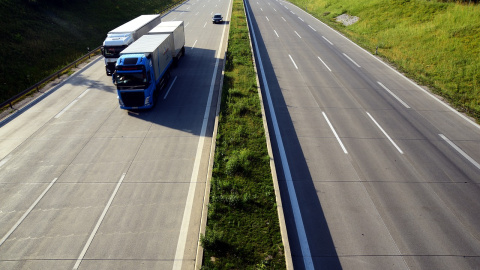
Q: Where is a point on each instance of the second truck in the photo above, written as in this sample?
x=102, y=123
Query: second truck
x=121, y=37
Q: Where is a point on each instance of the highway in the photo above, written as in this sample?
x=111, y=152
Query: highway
x=86, y=185
x=374, y=171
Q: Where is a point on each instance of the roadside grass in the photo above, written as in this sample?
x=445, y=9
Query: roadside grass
x=40, y=37
x=437, y=44
x=243, y=230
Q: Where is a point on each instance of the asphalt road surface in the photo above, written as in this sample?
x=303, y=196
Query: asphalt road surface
x=86, y=185
x=374, y=172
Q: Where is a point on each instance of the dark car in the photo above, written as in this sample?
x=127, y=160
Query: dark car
x=217, y=18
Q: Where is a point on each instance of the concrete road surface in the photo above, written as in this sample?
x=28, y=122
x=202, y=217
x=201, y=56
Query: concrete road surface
x=86, y=185
x=374, y=171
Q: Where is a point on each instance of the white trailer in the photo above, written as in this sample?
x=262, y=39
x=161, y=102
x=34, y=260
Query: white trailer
x=121, y=37
x=176, y=29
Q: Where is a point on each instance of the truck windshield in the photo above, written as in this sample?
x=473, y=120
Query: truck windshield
x=113, y=51
x=131, y=79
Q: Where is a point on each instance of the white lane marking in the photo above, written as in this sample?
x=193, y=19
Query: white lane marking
x=460, y=151
x=5, y=160
x=324, y=63
x=267, y=18
x=261, y=9
x=351, y=60
x=275, y=10
x=284, y=19
x=292, y=12
x=205, y=25
x=182, y=238
x=196, y=13
x=187, y=24
x=312, y=28
x=100, y=220
x=395, y=96
x=385, y=133
x=297, y=34
x=293, y=61
x=297, y=215
x=168, y=91
x=335, y=133
x=194, y=44
x=4, y=238
x=327, y=40
x=71, y=104
x=276, y=33
x=301, y=19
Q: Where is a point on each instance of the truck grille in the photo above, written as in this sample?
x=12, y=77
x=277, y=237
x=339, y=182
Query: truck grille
x=133, y=99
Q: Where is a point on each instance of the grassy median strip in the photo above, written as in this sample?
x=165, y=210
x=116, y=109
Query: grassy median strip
x=243, y=230
x=435, y=43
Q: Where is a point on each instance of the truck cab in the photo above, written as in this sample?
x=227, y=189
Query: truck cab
x=135, y=80
x=112, y=46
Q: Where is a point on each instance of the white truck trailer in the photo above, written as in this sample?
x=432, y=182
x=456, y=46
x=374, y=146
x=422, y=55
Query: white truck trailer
x=121, y=37
x=176, y=29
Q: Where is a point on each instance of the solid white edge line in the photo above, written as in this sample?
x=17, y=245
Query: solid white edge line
x=5, y=160
x=335, y=133
x=26, y=213
x=385, y=133
x=293, y=61
x=168, y=91
x=100, y=220
x=460, y=151
x=324, y=63
x=395, y=96
x=182, y=238
x=351, y=60
x=71, y=104
x=302, y=237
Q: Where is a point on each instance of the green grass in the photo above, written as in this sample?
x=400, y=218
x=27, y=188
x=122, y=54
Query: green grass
x=435, y=43
x=243, y=230
x=40, y=37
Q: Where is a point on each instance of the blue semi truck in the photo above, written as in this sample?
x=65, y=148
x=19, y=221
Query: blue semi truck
x=142, y=70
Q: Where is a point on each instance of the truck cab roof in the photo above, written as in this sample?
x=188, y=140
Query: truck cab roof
x=118, y=39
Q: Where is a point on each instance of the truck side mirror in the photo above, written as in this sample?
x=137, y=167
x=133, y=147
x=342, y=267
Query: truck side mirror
x=103, y=50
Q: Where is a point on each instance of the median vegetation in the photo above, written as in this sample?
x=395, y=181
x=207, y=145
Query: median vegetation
x=243, y=230
x=437, y=43
x=39, y=37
